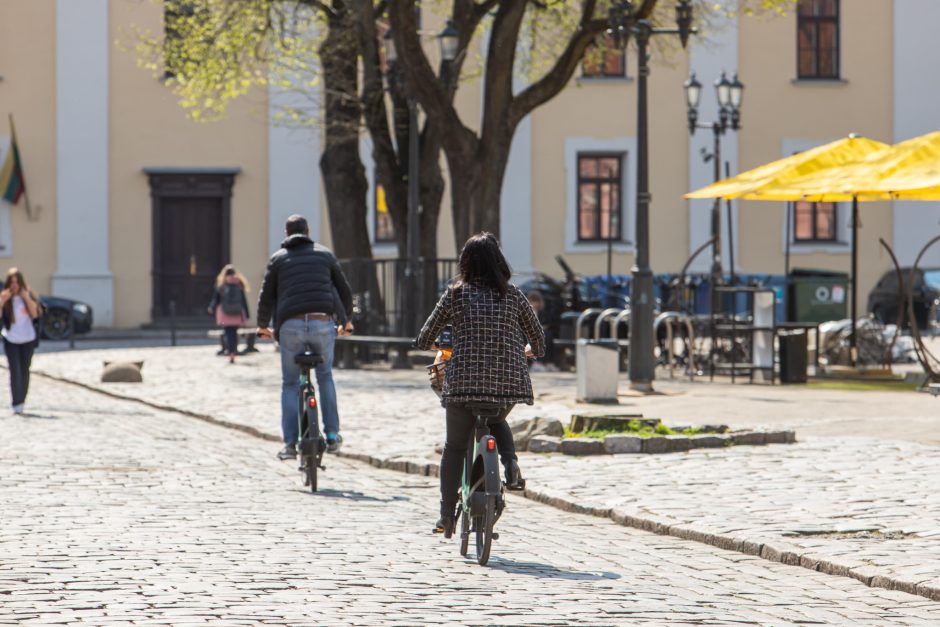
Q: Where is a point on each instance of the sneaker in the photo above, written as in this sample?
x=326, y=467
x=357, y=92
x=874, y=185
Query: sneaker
x=18, y=409
x=333, y=442
x=288, y=452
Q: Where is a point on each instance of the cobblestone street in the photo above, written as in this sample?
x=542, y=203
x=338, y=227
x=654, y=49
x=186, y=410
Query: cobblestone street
x=864, y=507
x=117, y=513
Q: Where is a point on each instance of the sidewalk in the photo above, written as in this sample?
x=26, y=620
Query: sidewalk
x=864, y=507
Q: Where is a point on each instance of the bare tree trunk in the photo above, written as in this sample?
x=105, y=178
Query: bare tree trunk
x=344, y=177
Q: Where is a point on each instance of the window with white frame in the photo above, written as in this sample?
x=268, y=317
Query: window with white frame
x=600, y=209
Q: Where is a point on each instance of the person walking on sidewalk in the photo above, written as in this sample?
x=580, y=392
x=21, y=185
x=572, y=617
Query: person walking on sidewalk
x=298, y=293
x=21, y=311
x=229, y=305
x=492, y=322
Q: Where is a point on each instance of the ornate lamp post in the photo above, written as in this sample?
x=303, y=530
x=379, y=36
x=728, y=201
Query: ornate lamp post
x=412, y=294
x=623, y=24
x=730, y=95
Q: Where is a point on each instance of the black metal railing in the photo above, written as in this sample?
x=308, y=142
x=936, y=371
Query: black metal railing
x=381, y=294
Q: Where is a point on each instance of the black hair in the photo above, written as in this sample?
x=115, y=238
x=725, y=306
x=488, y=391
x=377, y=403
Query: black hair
x=297, y=225
x=482, y=263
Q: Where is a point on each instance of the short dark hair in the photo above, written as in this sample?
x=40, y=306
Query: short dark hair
x=482, y=263
x=297, y=224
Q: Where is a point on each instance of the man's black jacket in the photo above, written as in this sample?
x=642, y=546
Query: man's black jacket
x=301, y=278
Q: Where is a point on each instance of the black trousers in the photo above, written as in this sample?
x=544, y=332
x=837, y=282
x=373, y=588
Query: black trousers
x=231, y=339
x=19, y=357
x=459, y=429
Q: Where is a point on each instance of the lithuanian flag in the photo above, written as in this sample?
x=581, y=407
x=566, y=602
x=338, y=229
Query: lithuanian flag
x=12, y=183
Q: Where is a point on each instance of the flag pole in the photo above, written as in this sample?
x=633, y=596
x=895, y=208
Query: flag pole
x=29, y=207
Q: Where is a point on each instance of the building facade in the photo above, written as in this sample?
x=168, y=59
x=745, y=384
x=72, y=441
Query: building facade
x=135, y=206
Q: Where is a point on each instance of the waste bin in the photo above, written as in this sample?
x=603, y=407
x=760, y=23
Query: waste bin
x=817, y=296
x=597, y=364
x=793, y=356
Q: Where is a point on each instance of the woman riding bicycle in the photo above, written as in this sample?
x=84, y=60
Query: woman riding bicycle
x=492, y=321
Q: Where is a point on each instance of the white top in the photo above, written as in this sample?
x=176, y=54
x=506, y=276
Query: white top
x=22, y=331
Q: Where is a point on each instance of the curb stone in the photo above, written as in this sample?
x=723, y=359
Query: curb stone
x=768, y=549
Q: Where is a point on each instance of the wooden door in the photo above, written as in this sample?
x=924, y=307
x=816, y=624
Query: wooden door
x=190, y=239
x=191, y=253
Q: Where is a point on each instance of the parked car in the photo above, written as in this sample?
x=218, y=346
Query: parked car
x=55, y=322
x=883, y=300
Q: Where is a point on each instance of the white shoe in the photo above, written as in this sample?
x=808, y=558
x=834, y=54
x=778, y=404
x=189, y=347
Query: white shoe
x=18, y=409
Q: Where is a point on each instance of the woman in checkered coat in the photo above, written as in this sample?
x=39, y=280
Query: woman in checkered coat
x=492, y=324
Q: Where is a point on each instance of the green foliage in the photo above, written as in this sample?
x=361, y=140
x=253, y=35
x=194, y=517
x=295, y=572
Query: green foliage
x=214, y=51
x=633, y=427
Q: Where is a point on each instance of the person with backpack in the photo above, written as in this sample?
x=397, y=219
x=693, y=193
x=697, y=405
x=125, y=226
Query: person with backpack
x=229, y=305
x=21, y=314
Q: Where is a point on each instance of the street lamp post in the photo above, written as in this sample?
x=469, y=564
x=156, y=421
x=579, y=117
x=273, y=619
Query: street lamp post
x=730, y=95
x=413, y=294
x=624, y=23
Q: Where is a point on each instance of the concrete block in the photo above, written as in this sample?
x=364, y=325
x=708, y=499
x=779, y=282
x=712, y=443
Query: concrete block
x=622, y=443
x=544, y=444
x=582, y=446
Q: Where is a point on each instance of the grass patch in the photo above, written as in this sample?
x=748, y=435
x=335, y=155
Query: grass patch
x=633, y=427
x=862, y=386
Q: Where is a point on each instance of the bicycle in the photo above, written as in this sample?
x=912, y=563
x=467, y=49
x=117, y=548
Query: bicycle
x=481, y=495
x=312, y=444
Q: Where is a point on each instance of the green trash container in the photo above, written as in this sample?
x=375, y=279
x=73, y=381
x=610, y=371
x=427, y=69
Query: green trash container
x=817, y=296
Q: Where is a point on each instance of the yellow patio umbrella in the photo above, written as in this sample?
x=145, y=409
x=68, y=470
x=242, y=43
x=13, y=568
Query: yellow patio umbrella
x=909, y=170
x=778, y=174
x=791, y=178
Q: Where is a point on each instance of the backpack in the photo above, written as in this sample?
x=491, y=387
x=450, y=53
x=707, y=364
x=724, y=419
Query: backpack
x=231, y=299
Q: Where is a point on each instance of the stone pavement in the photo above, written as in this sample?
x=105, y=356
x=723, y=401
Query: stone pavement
x=114, y=513
x=861, y=507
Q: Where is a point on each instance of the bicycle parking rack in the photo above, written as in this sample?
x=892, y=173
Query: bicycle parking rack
x=676, y=319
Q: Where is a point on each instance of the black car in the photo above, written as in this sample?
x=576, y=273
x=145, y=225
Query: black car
x=883, y=300
x=58, y=310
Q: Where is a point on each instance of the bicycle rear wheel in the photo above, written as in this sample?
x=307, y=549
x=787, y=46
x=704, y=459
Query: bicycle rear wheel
x=312, y=457
x=484, y=531
x=464, y=531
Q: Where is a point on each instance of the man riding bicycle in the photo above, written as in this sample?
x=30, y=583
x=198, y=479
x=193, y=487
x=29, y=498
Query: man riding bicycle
x=300, y=287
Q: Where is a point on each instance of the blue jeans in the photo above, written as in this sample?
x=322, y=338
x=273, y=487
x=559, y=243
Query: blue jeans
x=296, y=336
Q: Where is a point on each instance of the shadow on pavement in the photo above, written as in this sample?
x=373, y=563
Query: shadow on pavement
x=358, y=497
x=29, y=414
x=546, y=571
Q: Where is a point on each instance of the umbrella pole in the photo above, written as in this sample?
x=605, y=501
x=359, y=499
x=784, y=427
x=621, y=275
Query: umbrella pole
x=786, y=259
x=853, y=340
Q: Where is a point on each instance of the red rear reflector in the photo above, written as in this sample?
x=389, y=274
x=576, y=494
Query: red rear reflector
x=313, y=402
x=491, y=444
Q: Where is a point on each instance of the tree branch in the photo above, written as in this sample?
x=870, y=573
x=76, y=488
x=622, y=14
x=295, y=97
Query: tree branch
x=428, y=89
x=558, y=77
x=500, y=65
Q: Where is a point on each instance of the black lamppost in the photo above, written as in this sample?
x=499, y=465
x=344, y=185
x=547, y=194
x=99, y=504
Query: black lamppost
x=413, y=292
x=730, y=94
x=624, y=24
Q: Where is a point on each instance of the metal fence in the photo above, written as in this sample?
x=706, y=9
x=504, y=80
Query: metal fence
x=383, y=301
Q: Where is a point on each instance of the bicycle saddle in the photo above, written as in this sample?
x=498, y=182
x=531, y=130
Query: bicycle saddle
x=309, y=359
x=484, y=410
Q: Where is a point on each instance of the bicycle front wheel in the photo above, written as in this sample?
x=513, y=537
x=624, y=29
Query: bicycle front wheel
x=484, y=531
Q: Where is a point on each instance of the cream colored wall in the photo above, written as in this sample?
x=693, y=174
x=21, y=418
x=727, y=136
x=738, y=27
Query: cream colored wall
x=148, y=128
x=28, y=92
x=607, y=108
x=775, y=107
